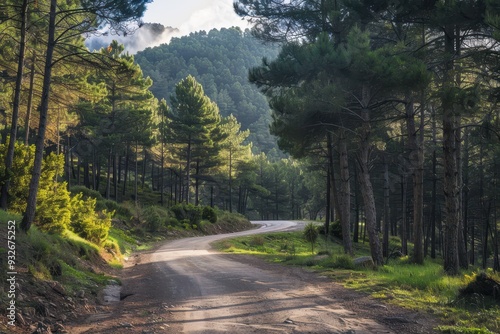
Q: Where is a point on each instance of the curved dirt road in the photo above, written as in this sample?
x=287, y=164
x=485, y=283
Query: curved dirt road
x=214, y=294
x=183, y=287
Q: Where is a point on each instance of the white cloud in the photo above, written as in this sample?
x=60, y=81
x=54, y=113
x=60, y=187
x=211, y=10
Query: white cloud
x=185, y=17
x=214, y=14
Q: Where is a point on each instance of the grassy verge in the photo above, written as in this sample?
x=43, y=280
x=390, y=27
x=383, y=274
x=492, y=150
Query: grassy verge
x=68, y=258
x=420, y=287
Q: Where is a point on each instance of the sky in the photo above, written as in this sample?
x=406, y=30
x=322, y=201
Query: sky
x=186, y=16
x=193, y=15
x=183, y=16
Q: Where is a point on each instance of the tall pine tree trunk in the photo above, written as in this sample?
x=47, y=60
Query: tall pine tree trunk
x=188, y=170
x=386, y=219
x=404, y=220
x=328, y=190
x=9, y=157
x=136, y=180
x=125, y=175
x=366, y=184
x=108, y=175
x=197, y=183
x=345, y=195
x=417, y=170
x=230, y=180
x=97, y=173
x=450, y=181
x=29, y=214
x=462, y=245
x=29, y=106
x=144, y=168
x=115, y=175
x=434, y=185
x=162, y=172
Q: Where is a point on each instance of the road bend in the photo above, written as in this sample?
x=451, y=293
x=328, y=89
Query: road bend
x=211, y=292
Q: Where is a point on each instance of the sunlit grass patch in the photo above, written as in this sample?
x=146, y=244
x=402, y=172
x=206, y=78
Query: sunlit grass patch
x=78, y=241
x=125, y=242
x=463, y=330
x=6, y=216
x=74, y=279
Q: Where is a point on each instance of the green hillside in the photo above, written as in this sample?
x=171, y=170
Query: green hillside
x=219, y=60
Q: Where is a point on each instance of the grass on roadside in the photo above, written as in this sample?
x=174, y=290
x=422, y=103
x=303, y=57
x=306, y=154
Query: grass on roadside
x=67, y=258
x=419, y=287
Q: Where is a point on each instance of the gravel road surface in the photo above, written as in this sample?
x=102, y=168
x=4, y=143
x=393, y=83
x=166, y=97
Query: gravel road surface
x=184, y=287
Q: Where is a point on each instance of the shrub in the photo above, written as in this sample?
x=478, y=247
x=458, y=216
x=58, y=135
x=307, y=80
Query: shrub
x=186, y=224
x=311, y=234
x=155, y=217
x=86, y=192
x=20, y=174
x=40, y=248
x=232, y=221
x=343, y=261
x=203, y=224
x=112, y=247
x=334, y=229
x=109, y=205
x=187, y=211
x=171, y=221
x=53, y=210
x=209, y=214
x=288, y=248
x=257, y=240
x=86, y=222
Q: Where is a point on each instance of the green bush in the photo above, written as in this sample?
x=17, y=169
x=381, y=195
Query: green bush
x=86, y=192
x=203, y=224
x=187, y=211
x=40, y=248
x=53, y=209
x=171, y=221
x=230, y=219
x=86, y=222
x=311, y=234
x=109, y=205
x=334, y=229
x=209, y=214
x=53, y=206
x=186, y=224
x=257, y=240
x=345, y=261
x=155, y=217
x=20, y=174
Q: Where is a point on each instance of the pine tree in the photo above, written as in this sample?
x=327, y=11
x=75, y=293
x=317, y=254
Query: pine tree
x=88, y=16
x=233, y=151
x=194, y=118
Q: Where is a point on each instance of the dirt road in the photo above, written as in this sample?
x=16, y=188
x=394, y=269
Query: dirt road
x=184, y=287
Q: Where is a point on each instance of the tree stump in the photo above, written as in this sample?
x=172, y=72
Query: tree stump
x=483, y=285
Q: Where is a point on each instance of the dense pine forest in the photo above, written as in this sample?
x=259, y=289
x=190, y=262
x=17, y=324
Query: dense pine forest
x=379, y=118
x=401, y=99
x=83, y=130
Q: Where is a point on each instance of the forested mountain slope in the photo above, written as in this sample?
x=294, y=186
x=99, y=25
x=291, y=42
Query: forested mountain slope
x=219, y=60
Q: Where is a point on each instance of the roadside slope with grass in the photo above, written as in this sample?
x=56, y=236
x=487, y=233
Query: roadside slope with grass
x=61, y=275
